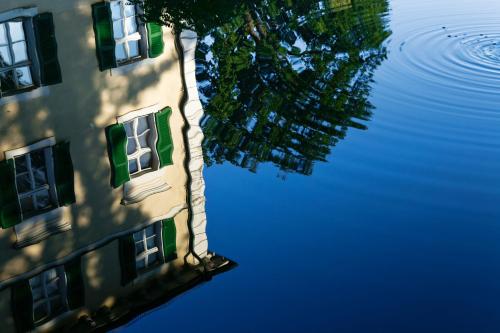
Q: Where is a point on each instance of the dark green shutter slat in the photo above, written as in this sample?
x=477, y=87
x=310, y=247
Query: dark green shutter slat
x=64, y=174
x=10, y=211
x=117, y=152
x=127, y=259
x=103, y=29
x=46, y=44
x=165, y=145
x=75, y=285
x=22, y=306
x=169, y=240
x=155, y=39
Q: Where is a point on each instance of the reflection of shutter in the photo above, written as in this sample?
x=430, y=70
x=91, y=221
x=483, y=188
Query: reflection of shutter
x=117, y=151
x=169, y=243
x=165, y=146
x=155, y=39
x=22, y=306
x=104, y=40
x=74, y=278
x=127, y=259
x=63, y=170
x=50, y=70
x=10, y=211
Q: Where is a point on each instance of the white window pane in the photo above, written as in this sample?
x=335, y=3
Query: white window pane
x=150, y=231
x=131, y=25
x=5, y=56
x=142, y=125
x=37, y=159
x=131, y=146
x=146, y=161
x=141, y=264
x=20, y=52
x=120, y=52
x=139, y=248
x=118, y=29
x=7, y=81
x=129, y=129
x=132, y=166
x=42, y=199
x=115, y=10
x=144, y=140
x=151, y=243
x=21, y=164
x=138, y=236
x=129, y=9
x=133, y=47
x=23, y=183
x=152, y=258
x=52, y=288
x=16, y=31
x=40, y=312
x=37, y=294
x=24, y=77
x=50, y=274
x=35, y=281
x=3, y=34
x=27, y=205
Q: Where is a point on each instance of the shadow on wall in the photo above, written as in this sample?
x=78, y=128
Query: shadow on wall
x=77, y=110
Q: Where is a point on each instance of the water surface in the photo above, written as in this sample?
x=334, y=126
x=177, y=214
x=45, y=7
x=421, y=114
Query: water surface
x=397, y=230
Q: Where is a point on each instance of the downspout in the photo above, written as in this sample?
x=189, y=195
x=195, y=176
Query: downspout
x=184, y=99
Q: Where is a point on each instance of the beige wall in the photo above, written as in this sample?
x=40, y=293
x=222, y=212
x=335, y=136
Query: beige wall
x=78, y=110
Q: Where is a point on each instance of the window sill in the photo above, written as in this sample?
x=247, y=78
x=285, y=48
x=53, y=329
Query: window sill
x=138, y=189
x=25, y=96
x=40, y=227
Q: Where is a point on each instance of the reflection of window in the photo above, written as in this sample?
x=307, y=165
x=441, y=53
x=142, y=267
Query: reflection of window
x=147, y=247
x=35, y=182
x=28, y=51
x=125, y=30
x=15, y=72
x=140, y=144
x=48, y=290
x=121, y=36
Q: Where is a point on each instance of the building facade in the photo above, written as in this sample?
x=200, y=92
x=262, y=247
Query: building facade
x=101, y=187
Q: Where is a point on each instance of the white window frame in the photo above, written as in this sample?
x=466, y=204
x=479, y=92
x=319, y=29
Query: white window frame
x=40, y=226
x=157, y=233
x=136, y=36
x=25, y=15
x=46, y=299
x=142, y=185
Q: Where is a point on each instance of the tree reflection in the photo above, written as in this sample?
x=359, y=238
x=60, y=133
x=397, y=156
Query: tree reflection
x=281, y=81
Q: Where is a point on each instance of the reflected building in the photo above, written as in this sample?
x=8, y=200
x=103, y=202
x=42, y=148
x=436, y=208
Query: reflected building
x=102, y=204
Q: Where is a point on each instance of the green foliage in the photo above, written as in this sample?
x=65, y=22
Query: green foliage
x=281, y=81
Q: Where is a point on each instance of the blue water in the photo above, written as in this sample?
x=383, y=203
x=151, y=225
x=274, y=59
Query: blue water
x=399, y=230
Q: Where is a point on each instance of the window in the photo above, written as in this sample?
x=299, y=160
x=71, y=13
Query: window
x=125, y=30
x=15, y=71
x=48, y=290
x=147, y=247
x=141, y=134
x=34, y=186
x=121, y=36
x=28, y=51
x=139, y=146
x=37, y=185
x=47, y=294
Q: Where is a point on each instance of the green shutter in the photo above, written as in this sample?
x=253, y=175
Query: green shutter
x=104, y=40
x=169, y=240
x=10, y=211
x=127, y=259
x=74, y=278
x=64, y=174
x=117, y=152
x=22, y=306
x=164, y=146
x=46, y=44
x=155, y=39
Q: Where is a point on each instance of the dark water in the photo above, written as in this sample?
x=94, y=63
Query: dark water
x=397, y=230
